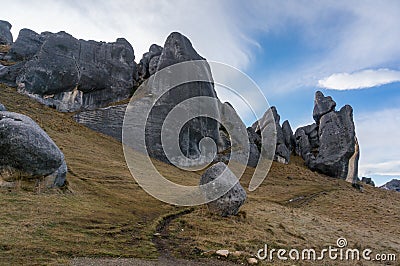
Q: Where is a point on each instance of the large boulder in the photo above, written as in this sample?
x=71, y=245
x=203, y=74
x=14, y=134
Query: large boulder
x=72, y=74
x=2, y=108
x=177, y=49
x=6, y=37
x=330, y=146
x=230, y=202
x=27, y=150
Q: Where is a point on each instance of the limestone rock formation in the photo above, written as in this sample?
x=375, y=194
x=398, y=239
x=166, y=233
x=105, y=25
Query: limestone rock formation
x=25, y=149
x=69, y=74
x=177, y=49
x=393, y=184
x=288, y=135
x=284, y=136
x=149, y=62
x=6, y=37
x=230, y=202
x=75, y=74
x=26, y=46
x=108, y=120
x=231, y=119
x=330, y=145
x=322, y=105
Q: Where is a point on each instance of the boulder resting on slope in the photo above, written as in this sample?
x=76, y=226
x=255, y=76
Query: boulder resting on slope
x=25, y=148
x=230, y=202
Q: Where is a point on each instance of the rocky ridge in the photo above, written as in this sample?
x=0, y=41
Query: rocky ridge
x=61, y=71
x=330, y=145
x=68, y=74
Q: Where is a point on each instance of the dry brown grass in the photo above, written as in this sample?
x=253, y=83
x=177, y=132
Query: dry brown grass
x=4, y=48
x=106, y=214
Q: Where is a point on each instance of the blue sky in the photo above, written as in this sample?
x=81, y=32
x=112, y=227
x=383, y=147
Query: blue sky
x=348, y=49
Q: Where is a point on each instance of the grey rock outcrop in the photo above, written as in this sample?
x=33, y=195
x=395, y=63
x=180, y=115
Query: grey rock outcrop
x=6, y=37
x=330, y=145
x=368, y=181
x=288, y=135
x=284, y=136
x=230, y=202
x=231, y=119
x=322, y=105
x=149, y=62
x=108, y=120
x=2, y=108
x=72, y=74
x=9, y=74
x=393, y=184
x=26, y=148
x=68, y=74
x=178, y=49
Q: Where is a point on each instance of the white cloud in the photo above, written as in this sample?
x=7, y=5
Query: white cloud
x=359, y=80
x=377, y=133
x=346, y=36
x=208, y=24
x=338, y=36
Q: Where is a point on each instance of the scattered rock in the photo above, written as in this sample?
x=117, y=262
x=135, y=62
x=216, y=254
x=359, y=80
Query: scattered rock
x=358, y=187
x=230, y=202
x=368, y=181
x=252, y=261
x=394, y=184
x=26, y=148
x=222, y=253
x=9, y=74
x=6, y=37
x=177, y=49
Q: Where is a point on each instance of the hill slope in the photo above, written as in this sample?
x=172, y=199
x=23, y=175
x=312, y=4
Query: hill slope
x=104, y=213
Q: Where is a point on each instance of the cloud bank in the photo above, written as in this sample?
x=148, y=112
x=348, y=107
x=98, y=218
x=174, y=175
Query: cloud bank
x=359, y=80
x=378, y=134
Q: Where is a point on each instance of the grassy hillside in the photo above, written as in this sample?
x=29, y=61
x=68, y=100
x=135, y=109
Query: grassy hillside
x=104, y=213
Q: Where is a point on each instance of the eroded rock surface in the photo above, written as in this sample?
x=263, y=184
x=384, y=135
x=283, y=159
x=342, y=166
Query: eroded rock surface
x=330, y=146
